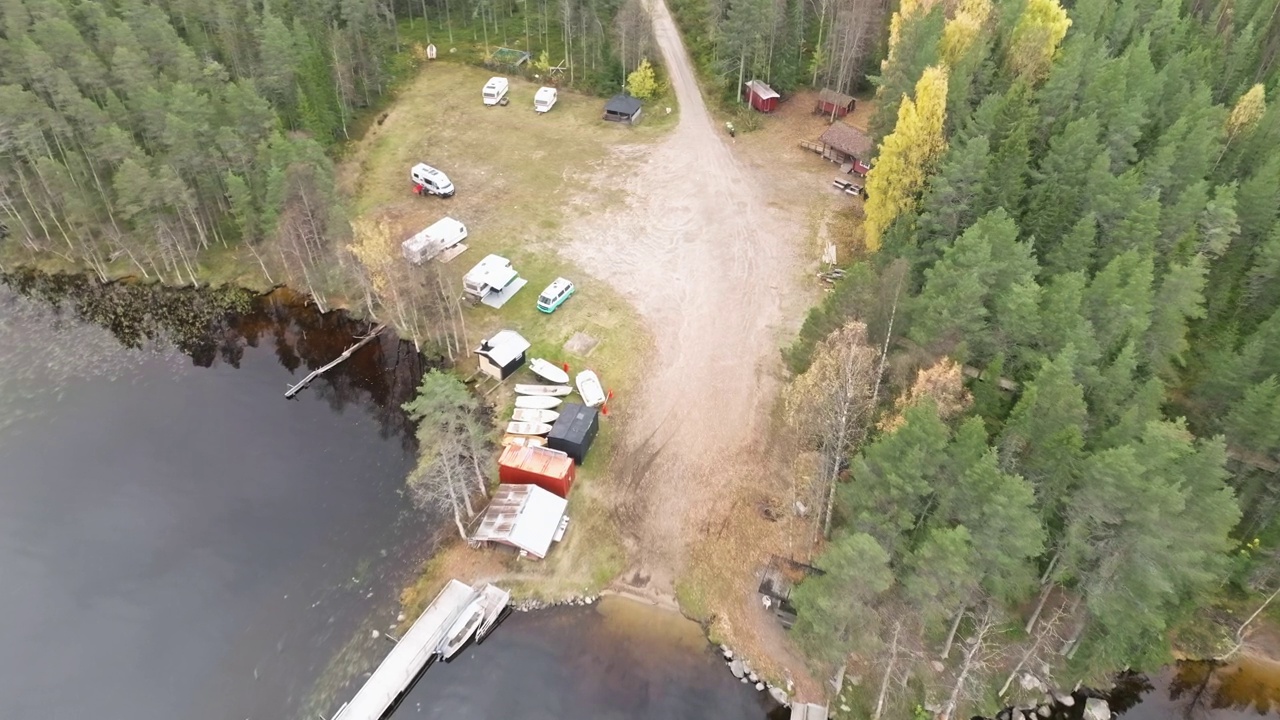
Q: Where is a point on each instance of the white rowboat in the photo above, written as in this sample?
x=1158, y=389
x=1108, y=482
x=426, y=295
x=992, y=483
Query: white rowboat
x=551, y=390
x=548, y=372
x=535, y=416
x=463, y=629
x=590, y=389
x=527, y=428
x=524, y=440
x=537, y=402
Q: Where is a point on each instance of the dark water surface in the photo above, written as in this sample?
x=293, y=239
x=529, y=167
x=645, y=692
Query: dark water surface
x=1247, y=689
x=179, y=542
x=618, y=660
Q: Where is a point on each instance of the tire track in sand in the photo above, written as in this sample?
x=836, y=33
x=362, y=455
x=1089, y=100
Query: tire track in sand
x=707, y=263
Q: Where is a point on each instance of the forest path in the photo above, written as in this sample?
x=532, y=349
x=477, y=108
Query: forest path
x=713, y=269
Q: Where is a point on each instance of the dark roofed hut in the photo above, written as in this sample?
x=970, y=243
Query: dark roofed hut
x=834, y=104
x=574, y=431
x=622, y=108
x=842, y=144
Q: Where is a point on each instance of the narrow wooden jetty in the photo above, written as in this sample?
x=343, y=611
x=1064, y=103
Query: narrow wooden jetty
x=412, y=653
x=345, y=354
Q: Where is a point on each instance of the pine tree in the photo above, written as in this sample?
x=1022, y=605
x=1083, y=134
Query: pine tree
x=835, y=611
x=950, y=203
x=1254, y=422
x=1119, y=301
x=1147, y=533
x=906, y=156
x=1056, y=195
x=1006, y=180
x=1075, y=251
x=1180, y=299
x=1044, y=436
x=892, y=477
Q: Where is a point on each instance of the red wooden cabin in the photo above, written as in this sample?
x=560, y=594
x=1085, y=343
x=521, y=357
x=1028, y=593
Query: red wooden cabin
x=762, y=97
x=549, y=469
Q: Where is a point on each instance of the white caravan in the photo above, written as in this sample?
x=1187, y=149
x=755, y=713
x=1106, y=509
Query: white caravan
x=494, y=90
x=544, y=99
x=430, y=181
x=441, y=236
x=490, y=274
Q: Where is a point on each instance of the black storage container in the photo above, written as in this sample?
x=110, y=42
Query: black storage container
x=574, y=430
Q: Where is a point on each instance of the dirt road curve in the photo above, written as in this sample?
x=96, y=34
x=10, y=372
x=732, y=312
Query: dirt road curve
x=709, y=265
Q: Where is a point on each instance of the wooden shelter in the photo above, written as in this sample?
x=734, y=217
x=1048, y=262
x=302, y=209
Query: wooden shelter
x=762, y=97
x=622, y=108
x=502, y=354
x=834, y=104
x=524, y=517
x=843, y=143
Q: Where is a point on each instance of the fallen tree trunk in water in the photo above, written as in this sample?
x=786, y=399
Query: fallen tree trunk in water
x=345, y=354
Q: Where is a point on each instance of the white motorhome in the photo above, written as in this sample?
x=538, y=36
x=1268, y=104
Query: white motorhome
x=490, y=274
x=442, y=235
x=544, y=99
x=430, y=181
x=494, y=90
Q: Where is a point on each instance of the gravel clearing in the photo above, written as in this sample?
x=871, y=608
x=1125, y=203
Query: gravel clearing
x=711, y=259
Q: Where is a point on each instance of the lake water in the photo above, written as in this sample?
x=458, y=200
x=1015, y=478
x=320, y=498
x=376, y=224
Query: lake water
x=618, y=660
x=179, y=541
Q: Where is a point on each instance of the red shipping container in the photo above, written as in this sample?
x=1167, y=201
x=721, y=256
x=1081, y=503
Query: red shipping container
x=549, y=469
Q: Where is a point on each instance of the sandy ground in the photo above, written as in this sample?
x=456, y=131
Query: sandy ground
x=711, y=263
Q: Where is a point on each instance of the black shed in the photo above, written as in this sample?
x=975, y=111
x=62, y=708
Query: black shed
x=622, y=108
x=574, y=430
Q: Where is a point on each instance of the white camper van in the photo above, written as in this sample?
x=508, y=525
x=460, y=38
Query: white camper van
x=544, y=99
x=494, y=90
x=430, y=181
x=490, y=274
x=442, y=235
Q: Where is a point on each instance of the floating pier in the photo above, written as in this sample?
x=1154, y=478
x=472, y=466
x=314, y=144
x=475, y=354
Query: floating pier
x=419, y=646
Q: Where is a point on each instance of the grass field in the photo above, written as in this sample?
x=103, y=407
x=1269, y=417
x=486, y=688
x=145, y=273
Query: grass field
x=520, y=177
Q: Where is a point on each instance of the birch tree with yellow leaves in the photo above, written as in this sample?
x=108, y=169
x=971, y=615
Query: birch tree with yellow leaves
x=1036, y=38
x=960, y=32
x=907, y=156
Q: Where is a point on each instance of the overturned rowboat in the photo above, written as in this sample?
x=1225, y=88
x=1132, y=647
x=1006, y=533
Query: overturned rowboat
x=527, y=428
x=535, y=416
x=549, y=390
x=537, y=402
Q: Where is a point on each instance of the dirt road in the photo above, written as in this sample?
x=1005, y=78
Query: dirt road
x=713, y=269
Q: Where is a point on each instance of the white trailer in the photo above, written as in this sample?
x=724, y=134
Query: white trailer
x=494, y=90
x=442, y=235
x=544, y=99
x=490, y=274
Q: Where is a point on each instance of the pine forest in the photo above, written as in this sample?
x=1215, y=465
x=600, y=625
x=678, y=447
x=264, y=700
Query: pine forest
x=1073, y=260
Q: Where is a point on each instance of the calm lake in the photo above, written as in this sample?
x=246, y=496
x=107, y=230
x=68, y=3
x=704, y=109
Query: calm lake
x=178, y=540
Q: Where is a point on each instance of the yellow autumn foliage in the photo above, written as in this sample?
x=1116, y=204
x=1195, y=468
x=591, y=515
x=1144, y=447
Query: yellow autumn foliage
x=907, y=155
x=960, y=31
x=1248, y=110
x=1036, y=39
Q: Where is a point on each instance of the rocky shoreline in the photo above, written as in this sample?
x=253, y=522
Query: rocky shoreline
x=741, y=669
x=530, y=605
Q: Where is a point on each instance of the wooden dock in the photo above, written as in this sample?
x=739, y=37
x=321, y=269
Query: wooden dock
x=397, y=672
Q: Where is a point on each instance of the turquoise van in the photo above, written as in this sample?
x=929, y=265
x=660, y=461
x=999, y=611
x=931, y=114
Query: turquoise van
x=555, y=295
